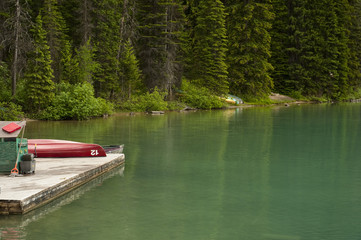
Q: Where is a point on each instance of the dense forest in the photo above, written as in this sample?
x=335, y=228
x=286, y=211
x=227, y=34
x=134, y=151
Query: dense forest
x=70, y=59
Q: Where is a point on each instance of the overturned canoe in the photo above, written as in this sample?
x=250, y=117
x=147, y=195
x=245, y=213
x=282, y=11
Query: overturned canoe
x=44, y=148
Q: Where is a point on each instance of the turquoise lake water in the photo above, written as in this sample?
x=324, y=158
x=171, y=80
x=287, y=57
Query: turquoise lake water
x=265, y=173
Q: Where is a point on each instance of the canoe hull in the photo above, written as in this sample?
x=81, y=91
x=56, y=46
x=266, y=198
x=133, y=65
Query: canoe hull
x=46, y=148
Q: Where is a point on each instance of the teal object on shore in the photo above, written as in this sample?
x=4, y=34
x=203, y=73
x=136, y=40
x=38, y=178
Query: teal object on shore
x=235, y=98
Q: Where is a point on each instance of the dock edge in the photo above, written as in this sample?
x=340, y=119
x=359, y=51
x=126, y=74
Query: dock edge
x=9, y=207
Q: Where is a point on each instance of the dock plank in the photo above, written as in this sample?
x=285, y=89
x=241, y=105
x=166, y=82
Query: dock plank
x=53, y=177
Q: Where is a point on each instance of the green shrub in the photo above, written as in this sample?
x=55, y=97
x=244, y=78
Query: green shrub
x=356, y=94
x=147, y=102
x=257, y=100
x=76, y=102
x=296, y=95
x=174, y=105
x=199, y=97
x=10, y=112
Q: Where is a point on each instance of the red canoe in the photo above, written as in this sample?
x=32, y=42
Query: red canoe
x=61, y=149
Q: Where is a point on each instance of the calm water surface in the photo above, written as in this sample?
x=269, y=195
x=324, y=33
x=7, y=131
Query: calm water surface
x=262, y=173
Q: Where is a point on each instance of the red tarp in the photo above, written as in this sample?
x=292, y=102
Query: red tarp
x=12, y=127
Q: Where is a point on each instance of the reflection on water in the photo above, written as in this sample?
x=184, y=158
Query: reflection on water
x=14, y=226
x=260, y=173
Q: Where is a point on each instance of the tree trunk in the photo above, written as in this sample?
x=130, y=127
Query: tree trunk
x=15, y=63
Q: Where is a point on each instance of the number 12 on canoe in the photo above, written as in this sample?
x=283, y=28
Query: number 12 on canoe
x=94, y=152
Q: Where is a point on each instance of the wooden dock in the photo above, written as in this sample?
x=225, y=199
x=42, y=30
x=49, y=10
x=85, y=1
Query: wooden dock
x=53, y=178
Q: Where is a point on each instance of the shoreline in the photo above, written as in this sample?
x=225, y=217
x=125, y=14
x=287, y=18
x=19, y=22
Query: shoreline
x=277, y=100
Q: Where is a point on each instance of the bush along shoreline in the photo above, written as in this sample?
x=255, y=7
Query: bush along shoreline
x=77, y=102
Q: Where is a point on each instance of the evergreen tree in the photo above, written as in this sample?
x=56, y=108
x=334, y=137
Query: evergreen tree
x=284, y=56
x=70, y=12
x=159, y=45
x=342, y=10
x=289, y=36
x=15, y=36
x=38, y=77
x=129, y=24
x=248, y=25
x=107, y=40
x=131, y=81
x=293, y=46
x=207, y=65
x=174, y=21
x=5, y=82
x=354, y=27
x=310, y=47
x=54, y=25
x=86, y=25
x=129, y=72
x=69, y=71
x=87, y=66
x=4, y=16
x=325, y=52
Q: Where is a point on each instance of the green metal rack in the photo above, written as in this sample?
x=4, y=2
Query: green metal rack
x=12, y=149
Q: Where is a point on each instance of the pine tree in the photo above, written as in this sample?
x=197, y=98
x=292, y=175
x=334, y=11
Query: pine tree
x=342, y=11
x=294, y=48
x=38, y=78
x=289, y=36
x=69, y=71
x=86, y=25
x=130, y=78
x=174, y=21
x=129, y=23
x=248, y=25
x=87, y=66
x=313, y=42
x=281, y=58
x=354, y=27
x=15, y=36
x=70, y=13
x=106, y=41
x=207, y=65
x=4, y=16
x=325, y=52
x=5, y=82
x=159, y=44
x=131, y=81
x=54, y=25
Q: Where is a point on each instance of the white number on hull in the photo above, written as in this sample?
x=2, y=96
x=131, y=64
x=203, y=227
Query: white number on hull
x=94, y=152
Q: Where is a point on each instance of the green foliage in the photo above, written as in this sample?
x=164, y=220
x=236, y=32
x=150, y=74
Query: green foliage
x=354, y=63
x=306, y=49
x=55, y=27
x=199, y=97
x=209, y=45
x=5, y=82
x=10, y=112
x=107, y=41
x=355, y=94
x=79, y=67
x=311, y=49
x=285, y=35
x=176, y=105
x=39, y=74
x=70, y=65
x=147, y=102
x=256, y=100
x=76, y=102
x=160, y=25
x=325, y=51
x=248, y=25
x=87, y=66
x=131, y=81
x=296, y=95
